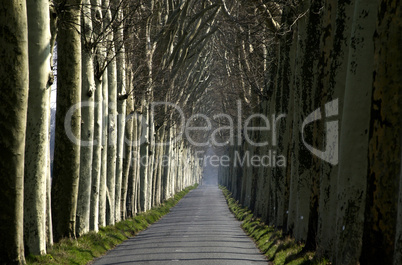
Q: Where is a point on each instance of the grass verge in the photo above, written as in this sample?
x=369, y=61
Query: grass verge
x=93, y=245
x=278, y=249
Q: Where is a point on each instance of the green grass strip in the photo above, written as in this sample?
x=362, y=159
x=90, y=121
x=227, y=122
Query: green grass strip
x=93, y=245
x=277, y=248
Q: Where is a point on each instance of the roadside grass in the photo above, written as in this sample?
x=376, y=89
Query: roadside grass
x=278, y=249
x=93, y=245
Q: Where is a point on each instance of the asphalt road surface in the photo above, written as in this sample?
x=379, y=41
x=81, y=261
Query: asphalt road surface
x=199, y=230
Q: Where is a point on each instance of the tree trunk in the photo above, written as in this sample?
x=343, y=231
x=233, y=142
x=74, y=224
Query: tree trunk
x=132, y=162
x=14, y=84
x=144, y=158
x=112, y=115
x=67, y=151
x=37, y=131
x=103, y=174
x=137, y=164
x=381, y=241
x=165, y=167
x=353, y=164
x=121, y=108
x=262, y=183
x=294, y=135
x=301, y=167
x=128, y=148
x=160, y=149
x=334, y=87
x=96, y=15
x=87, y=122
x=283, y=124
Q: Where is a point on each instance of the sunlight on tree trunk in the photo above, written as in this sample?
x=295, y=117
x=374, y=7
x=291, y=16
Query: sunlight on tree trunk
x=67, y=153
x=14, y=82
x=87, y=122
x=37, y=138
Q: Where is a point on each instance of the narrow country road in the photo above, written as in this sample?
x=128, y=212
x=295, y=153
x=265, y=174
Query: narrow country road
x=199, y=230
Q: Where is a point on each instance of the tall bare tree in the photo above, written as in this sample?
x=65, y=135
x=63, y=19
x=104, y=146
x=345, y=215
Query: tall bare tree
x=87, y=120
x=98, y=117
x=382, y=240
x=68, y=121
x=14, y=84
x=37, y=138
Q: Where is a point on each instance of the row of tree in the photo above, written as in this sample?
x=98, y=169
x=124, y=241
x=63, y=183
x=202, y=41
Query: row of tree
x=334, y=69
x=331, y=67
x=116, y=154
